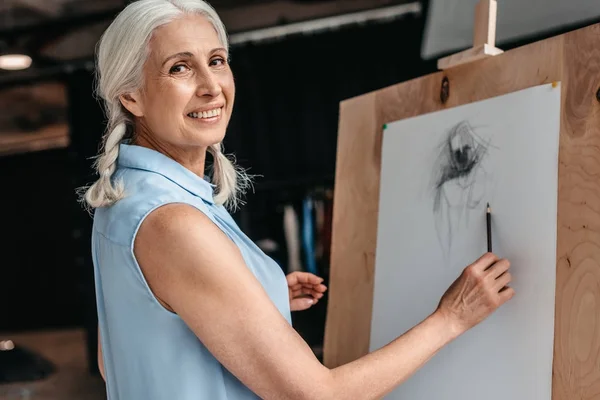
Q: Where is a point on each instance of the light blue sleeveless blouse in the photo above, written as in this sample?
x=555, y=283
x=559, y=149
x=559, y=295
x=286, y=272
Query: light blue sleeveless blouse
x=149, y=352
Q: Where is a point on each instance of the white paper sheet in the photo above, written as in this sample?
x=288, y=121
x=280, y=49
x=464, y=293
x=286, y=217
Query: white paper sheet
x=509, y=146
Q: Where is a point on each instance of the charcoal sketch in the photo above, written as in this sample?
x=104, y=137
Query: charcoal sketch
x=459, y=181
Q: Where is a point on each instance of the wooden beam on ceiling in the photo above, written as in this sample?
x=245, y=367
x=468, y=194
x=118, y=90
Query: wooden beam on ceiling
x=51, y=8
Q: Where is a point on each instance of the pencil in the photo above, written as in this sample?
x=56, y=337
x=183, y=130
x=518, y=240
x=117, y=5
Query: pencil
x=489, y=228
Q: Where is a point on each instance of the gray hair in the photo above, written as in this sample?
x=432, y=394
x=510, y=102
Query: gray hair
x=121, y=54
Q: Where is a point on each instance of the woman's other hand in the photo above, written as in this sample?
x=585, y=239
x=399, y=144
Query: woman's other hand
x=305, y=290
x=481, y=288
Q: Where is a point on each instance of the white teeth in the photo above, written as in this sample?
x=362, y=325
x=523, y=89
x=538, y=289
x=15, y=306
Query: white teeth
x=206, y=114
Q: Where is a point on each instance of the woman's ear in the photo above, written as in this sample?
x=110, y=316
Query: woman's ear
x=132, y=103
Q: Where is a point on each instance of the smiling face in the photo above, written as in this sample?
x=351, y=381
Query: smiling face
x=188, y=92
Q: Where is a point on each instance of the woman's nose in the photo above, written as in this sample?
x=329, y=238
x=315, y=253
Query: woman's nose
x=208, y=85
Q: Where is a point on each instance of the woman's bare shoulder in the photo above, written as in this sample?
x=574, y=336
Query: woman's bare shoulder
x=176, y=243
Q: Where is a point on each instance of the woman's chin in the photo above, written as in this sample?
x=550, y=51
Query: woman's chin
x=204, y=138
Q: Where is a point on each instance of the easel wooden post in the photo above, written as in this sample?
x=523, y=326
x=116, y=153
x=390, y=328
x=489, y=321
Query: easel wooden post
x=572, y=59
x=484, y=37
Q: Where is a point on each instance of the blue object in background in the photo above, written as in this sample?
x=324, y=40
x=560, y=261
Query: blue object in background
x=308, y=235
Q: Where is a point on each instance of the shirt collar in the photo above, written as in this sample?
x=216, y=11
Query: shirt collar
x=138, y=157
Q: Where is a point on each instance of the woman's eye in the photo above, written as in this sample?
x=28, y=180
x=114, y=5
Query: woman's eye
x=177, y=69
x=218, y=61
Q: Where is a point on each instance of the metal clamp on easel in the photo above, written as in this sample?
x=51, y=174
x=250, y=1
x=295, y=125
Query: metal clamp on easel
x=484, y=37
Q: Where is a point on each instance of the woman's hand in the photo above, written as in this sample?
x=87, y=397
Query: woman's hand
x=478, y=292
x=305, y=290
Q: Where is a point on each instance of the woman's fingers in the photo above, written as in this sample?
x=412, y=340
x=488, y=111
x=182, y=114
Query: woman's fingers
x=304, y=284
x=305, y=291
x=302, y=304
x=319, y=287
x=485, y=262
x=498, y=268
x=303, y=277
x=506, y=294
x=503, y=280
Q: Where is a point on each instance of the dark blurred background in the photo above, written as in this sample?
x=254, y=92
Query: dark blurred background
x=284, y=130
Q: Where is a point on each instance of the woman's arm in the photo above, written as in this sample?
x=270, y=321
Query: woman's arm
x=195, y=270
x=100, y=359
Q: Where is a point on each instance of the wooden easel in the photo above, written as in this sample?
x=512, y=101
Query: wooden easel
x=484, y=37
x=478, y=74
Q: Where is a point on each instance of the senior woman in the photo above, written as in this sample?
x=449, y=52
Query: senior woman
x=188, y=306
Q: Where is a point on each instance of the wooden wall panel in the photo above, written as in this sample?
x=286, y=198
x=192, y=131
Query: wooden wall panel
x=577, y=324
